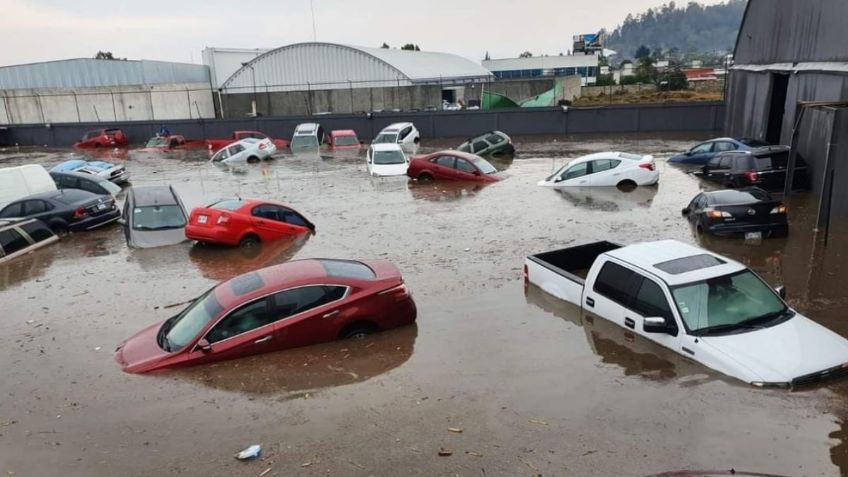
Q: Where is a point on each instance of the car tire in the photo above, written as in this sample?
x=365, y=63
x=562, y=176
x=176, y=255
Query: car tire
x=626, y=185
x=425, y=177
x=358, y=330
x=252, y=159
x=59, y=228
x=249, y=241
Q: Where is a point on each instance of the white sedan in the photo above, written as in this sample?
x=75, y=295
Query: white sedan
x=619, y=169
x=250, y=149
x=386, y=160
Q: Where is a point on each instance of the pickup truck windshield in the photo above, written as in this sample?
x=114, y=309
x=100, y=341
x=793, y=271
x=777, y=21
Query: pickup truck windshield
x=729, y=304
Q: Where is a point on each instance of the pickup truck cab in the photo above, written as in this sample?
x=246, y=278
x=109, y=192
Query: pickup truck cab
x=703, y=306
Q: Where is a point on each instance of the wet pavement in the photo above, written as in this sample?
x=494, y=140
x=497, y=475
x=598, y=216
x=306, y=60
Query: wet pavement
x=535, y=387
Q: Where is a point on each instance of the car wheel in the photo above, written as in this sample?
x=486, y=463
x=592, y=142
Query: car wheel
x=250, y=241
x=252, y=159
x=425, y=178
x=359, y=331
x=626, y=185
x=59, y=229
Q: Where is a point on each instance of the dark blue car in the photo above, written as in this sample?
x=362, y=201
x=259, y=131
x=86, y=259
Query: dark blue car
x=702, y=153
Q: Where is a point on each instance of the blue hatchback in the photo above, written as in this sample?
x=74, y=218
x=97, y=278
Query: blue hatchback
x=702, y=153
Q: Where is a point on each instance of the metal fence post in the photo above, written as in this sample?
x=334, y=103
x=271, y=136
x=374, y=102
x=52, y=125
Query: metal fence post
x=76, y=104
x=188, y=103
x=114, y=109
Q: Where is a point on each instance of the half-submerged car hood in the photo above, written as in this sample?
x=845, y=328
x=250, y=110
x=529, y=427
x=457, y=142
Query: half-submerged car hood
x=140, y=352
x=156, y=238
x=778, y=354
x=389, y=169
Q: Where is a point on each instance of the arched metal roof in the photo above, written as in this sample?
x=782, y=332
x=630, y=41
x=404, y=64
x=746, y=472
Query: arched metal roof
x=304, y=66
x=91, y=73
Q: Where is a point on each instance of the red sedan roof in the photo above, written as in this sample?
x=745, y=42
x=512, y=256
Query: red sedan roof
x=343, y=132
x=452, y=152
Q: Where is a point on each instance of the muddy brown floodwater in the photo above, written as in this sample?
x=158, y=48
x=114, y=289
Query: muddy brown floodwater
x=534, y=387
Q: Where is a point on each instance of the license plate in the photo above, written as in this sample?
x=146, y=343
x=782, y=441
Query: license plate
x=753, y=235
x=201, y=219
x=101, y=206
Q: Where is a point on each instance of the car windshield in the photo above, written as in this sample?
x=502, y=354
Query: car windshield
x=304, y=141
x=386, y=138
x=158, y=217
x=347, y=141
x=557, y=173
x=484, y=165
x=157, y=142
x=389, y=157
x=183, y=328
x=728, y=304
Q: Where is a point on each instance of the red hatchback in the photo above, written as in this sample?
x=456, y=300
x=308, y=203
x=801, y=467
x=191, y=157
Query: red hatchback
x=103, y=138
x=245, y=222
x=452, y=166
x=293, y=304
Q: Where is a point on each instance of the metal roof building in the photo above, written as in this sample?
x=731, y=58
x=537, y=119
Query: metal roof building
x=585, y=66
x=327, y=66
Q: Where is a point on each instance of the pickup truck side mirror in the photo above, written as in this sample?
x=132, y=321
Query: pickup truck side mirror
x=781, y=291
x=204, y=346
x=686, y=211
x=658, y=324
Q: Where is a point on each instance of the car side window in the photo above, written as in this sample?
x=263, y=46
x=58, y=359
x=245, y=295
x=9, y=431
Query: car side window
x=702, y=148
x=479, y=146
x=90, y=186
x=12, y=241
x=702, y=203
x=297, y=300
x=465, y=166
x=446, y=161
x=265, y=211
x=404, y=133
x=35, y=207
x=12, y=210
x=247, y=318
x=222, y=154
x=724, y=146
x=291, y=217
x=494, y=138
x=575, y=171
x=601, y=165
x=236, y=149
x=726, y=162
x=651, y=301
x=616, y=283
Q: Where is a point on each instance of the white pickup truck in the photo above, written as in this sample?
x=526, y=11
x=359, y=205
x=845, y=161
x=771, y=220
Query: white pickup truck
x=706, y=307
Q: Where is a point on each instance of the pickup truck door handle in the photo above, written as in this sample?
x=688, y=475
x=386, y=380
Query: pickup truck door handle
x=262, y=340
x=628, y=322
x=331, y=314
x=590, y=301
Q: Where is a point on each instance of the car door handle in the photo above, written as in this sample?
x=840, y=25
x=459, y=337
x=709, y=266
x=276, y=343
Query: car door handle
x=262, y=340
x=331, y=314
x=261, y=222
x=628, y=322
x=590, y=301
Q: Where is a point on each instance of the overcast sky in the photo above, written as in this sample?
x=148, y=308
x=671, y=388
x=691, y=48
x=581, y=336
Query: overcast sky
x=177, y=30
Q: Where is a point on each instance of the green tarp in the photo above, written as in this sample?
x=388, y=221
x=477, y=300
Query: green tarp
x=496, y=101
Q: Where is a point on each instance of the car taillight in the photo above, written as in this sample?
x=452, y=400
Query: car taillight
x=780, y=209
x=399, y=293
x=647, y=165
x=752, y=176
x=261, y=146
x=223, y=219
x=80, y=213
x=717, y=214
x=526, y=279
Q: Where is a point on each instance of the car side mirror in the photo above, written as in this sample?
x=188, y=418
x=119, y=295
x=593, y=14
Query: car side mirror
x=204, y=346
x=658, y=324
x=781, y=291
x=686, y=211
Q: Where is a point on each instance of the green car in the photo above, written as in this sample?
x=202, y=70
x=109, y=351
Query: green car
x=492, y=143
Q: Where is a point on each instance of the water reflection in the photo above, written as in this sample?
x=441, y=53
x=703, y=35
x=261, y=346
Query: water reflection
x=636, y=355
x=609, y=199
x=223, y=263
x=445, y=191
x=295, y=372
x=28, y=267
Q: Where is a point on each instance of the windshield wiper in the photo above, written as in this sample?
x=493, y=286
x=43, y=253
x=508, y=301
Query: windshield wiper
x=768, y=316
x=727, y=328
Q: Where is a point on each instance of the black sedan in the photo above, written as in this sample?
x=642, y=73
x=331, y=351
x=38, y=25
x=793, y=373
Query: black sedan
x=94, y=184
x=66, y=210
x=751, y=212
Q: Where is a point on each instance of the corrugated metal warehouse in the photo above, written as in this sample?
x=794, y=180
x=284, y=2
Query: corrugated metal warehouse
x=341, y=78
x=91, y=90
x=789, y=85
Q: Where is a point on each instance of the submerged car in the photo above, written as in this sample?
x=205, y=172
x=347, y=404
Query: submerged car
x=404, y=134
x=751, y=212
x=216, y=144
x=307, y=136
x=116, y=173
x=765, y=167
x=605, y=169
x=68, y=210
x=342, y=139
x=702, y=153
x=77, y=180
x=154, y=216
x=386, y=160
x=21, y=236
x=246, y=150
x=245, y=222
x=174, y=142
x=100, y=138
x=293, y=304
x=452, y=166
x=492, y=143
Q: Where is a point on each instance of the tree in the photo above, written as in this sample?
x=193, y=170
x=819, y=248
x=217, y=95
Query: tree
x=385, y=45
x=676, y=80
x=104, y=55
x=410, y=47
x=642, y=52
x=526, y=54
x=645, y=71
x=605, y=80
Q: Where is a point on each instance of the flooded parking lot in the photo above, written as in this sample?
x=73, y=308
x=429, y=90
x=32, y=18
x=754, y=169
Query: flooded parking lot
x=534, y=387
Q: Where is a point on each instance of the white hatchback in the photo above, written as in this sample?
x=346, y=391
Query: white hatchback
x=249, y=149
x=386, y=160
x=620, y=169
x=404, y=134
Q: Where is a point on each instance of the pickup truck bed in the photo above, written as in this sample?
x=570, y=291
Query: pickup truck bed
x=547, y=270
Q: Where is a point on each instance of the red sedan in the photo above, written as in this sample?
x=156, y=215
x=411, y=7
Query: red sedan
x=293, y=304
x=245, y=222
x=103, y=138
x=452, y=166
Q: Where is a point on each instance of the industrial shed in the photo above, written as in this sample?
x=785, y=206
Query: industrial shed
x=309, y=78
x=90, y=90
x=789, y=85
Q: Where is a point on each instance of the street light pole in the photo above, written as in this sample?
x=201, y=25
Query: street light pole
x=253, y=78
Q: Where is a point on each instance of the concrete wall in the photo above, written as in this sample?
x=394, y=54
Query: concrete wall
x=121, y=103
x=678, y=117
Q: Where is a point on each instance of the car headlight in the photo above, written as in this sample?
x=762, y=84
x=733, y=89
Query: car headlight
x=762, y=384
